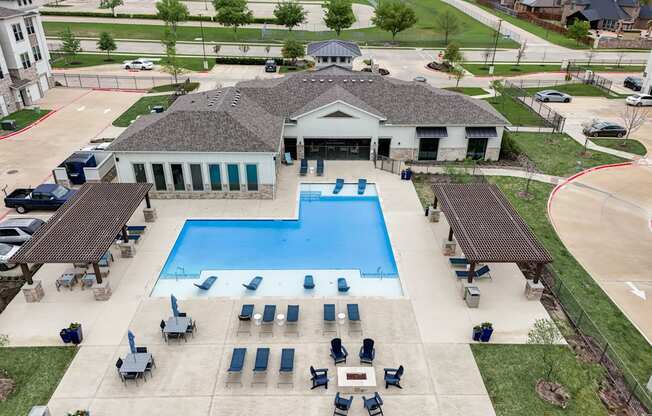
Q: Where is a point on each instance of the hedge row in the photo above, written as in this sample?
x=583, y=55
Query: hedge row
x=243, y=60
x=258, y=20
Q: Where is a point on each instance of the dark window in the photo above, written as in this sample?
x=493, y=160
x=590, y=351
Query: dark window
x=342, y=59
x=234, y=177
x=216, y=177
x=477, y=148
x=252, y=177
x=29, y=25
x=37, y=53
x=177, y=177
x=159, y=177
x=18, y=32
x=8, y=232
x=197, y=177
x=338, y=114
x=139, y=173
x=24, y=59
x=428, y=148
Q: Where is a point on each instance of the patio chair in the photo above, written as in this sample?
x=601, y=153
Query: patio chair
x=342, y=405
x=308, y=282
x=235, y=368
x=373, y=404
x=339, y=184
x=260, y=366
x=355, y=324
x=141, y=350
x=106, y=259
x=458, y=261
x=192, y=328
x=393, y=376
x=320, y=167
x=206, y=284
x=342, y=286
x=244, y=324
x=288, y=159
x=269, y=314
x=319, y=377
x=480, y=273
x=329, y=318
x=162, y=325
x=338, y=352
x=292, y=319
x=255, y=282
x=362, y=186
x=287, y=366
x=303, y=170
x=367, y=351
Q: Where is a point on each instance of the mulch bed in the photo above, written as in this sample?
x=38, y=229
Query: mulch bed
x=7, y=386
x=553, y=393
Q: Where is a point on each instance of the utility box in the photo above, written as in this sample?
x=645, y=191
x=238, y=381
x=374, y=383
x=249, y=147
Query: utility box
x=472, y=296
x=8, y=124
x=157, y=109
x=39, y=411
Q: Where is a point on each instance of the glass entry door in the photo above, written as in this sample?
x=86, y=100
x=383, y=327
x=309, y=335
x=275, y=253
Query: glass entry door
x=177, y=177
x=234, y=177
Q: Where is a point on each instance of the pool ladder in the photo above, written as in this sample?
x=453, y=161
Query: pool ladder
x=176, y=272
x=379, y=272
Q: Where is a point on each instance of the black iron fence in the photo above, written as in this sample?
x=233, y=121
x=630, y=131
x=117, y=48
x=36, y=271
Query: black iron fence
x=113, y=82
x=587, y=76
x=388, y=164
x=548, y=117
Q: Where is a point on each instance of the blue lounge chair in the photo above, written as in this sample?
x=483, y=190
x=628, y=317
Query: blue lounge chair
x=339, y=184
x=237, y=362
x=320, y=167
x=481, y=272
x=269, y=314
x=373, y=405
x=253, y=285
x=260, y=365
x=342, y=286
x=292, y=314
x=131, y=237
x=288, y=158
x=207, y=283
x=244, y=324
x=353, y=312
x=303, y=170
x=338, y=352
x=136, y=229
x=393, y=376
x=105, y=260
x=342, y=405
x=329, y=312
x=287, y=366
x=458, y=261
x=308, y=282
x=362, y=186
x=319, y=377
x=367, y=351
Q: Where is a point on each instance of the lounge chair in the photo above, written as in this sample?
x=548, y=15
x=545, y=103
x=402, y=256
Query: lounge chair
x=319, y=377
x=373, y=404
x=355, y=324
x=136, y=229
x=362, y=186
x=393, y=376
x=308, y=282
x=244, y=324
x=253, y=285
x=458, y=261
x=260, y=366
x=480, y=273
x=329, y=318
x=288, y=159
x=269, y=315
x=342, y=286
x=237, y=362
x=320, y=167
x=339, y=184
x=287, y=365
x=207, y=283
x=342, y=405
x=303, y=169
x=292, y=318
x=367, y=351
x=338, y=352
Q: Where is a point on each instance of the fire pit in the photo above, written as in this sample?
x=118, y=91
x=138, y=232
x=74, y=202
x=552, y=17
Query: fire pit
x=356, y=379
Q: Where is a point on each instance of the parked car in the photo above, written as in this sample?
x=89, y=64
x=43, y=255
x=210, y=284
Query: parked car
x=270, y=65
x=552, y=96
x=48, y=196
x=633, y=83
x=604, y=129
x=639, y=100
x=6, y=252
x=140, y=63
x=420, y=79
x=18, y=230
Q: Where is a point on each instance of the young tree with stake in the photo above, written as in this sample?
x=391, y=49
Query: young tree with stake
x=339, y=15
x=633, y=118
x=233, y=13
x=394, y=16
x=106, y=43
x=290, y=14
x=448, y=24
x=70, y=45
x=172, y=12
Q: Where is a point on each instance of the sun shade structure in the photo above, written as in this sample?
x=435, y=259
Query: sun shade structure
x=83, y=229
x=487, y=227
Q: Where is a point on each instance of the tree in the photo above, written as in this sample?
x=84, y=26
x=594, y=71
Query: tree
x=244, y=48
x=172, y=65
x=339, y=15
x=172, y=12
x=292, y=49
x=267, y=49
x=521, y=53
x=453, y=55
x=70, y=45
x=233, y=13
x=394, y=16
x=216, y=49
x=447, y=23
x=633, y=118
x=578, y=30
x=621, y=55
x=290, y=14
x=106, y=43
x=111, y=4
x=486, y=54
x=458, y=73
x=545, y=332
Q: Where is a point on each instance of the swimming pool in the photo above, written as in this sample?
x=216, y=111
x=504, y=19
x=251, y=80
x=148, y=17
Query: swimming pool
x=332, y=232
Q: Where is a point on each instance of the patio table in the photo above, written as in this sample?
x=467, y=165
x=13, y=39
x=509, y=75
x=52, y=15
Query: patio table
x=135, y=363
x=67, y=279
x=177, y=325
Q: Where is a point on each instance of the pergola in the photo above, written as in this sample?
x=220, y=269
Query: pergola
x=83, y=229
x=487, y=227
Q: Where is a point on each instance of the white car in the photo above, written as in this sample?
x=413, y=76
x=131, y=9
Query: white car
x=6, y=251
x=639, y=100
x=140, y=63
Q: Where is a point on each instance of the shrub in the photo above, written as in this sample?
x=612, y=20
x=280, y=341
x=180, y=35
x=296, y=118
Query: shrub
x=242, y=60
x=259, y=20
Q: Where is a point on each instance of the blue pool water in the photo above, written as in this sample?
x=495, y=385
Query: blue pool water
x=332, y=232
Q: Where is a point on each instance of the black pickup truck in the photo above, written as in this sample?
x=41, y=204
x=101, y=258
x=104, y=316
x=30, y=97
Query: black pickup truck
x=48, y=196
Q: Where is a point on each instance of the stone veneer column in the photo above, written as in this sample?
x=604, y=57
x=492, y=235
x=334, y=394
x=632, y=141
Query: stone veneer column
x=34, y=292
x=300, y=151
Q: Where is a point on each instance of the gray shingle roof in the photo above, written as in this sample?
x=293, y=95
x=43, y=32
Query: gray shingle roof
x=604, y=9
x=333, y=48
x=541, y=3
x=646, y=12
x=6, y=12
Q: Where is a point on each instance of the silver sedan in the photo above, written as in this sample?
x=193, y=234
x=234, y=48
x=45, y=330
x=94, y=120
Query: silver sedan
x=552, y=96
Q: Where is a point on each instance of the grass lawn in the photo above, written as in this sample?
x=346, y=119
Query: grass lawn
x=517, y=113
x=630, y=145
x=510, y=373
x=140, y=107
x=580, y=90
x=286, y=69
x=89, y=59
x=558, y=154
x=510, y=70
x=468, y=90
x=25, y=117
x=36, y=371
x=191, y=86
x=472, y=33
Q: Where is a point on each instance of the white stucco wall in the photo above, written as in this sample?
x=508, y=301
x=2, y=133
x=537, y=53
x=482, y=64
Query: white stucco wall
x=647, y=80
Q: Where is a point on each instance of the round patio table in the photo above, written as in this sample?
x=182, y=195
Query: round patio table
x=280, y=318
x=257, y=319
x=340, y=318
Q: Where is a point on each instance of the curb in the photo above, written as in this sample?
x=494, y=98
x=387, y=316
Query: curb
x=29, y=126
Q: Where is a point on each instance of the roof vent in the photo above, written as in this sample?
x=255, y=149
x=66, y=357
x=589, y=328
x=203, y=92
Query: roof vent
x=232, y=104
x=321, y=80
x=352, y=80
x=346, y=80
x=330, y=80
x=305, y=80
x=370, y=80
x=313, y=80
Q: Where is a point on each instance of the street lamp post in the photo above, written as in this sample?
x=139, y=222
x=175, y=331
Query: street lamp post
x=203, y=44
x=493, y=56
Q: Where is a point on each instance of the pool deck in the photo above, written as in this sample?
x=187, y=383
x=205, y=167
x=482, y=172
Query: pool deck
x=428, y=330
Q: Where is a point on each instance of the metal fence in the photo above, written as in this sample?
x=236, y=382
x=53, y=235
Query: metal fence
x=544, y=114
x=116, y=82
x=388, y=164
x=589, y=77
x=618, y=373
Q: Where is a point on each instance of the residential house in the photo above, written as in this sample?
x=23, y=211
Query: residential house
x=334, y=52
x=541, y=8
x=647, y=77
x=612, y=15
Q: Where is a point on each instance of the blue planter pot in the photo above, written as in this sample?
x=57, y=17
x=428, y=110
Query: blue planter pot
x=477, y=334
x=76, y=335
x=65, y=335
x=485, y=336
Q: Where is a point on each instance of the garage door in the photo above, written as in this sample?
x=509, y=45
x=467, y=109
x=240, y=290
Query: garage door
x=337, y=149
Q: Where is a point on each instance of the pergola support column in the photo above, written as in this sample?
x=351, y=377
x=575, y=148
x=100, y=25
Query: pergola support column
x=148, y=212
x=433, y=212
x=98, y=273
x=534, y=288
x=27, y=274
x=32, y=290
x=449, y=246
x=469, y=278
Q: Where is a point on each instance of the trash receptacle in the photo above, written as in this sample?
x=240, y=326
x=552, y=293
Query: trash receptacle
x=408, y=174
x=472, y=296
x=65, y=336
x=403, y=174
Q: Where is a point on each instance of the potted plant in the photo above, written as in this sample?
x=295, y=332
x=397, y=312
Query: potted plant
x=75, y=331
x=487, y=330
x=477, y=331
x=80, y=413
